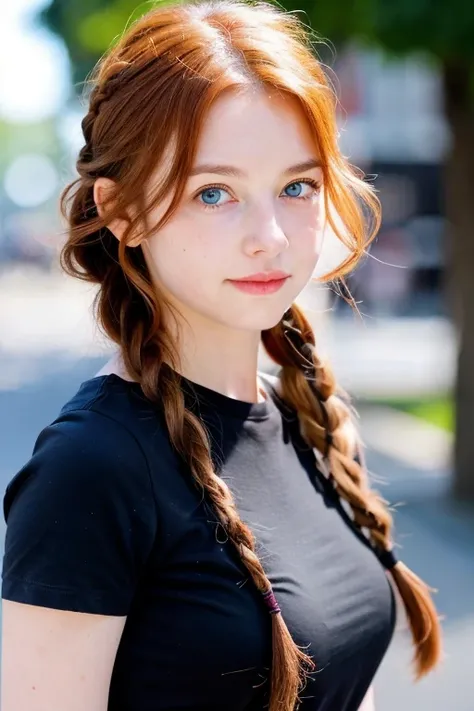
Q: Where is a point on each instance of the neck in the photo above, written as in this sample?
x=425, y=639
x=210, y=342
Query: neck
x=220, y=359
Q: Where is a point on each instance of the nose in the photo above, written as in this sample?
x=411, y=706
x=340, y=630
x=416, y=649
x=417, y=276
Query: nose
x=265, y=234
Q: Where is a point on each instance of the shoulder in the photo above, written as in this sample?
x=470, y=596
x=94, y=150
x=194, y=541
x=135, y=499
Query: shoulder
x=98, y=423
x=108, y=395
x=86, y=495
x=90, y=446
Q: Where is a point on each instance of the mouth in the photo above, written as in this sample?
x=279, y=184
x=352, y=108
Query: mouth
x=261, y=283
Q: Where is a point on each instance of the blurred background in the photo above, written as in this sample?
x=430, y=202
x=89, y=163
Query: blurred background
x=404, y=74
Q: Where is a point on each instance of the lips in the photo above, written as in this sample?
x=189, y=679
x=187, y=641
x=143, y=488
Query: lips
x=263, y=277
x=261, y=283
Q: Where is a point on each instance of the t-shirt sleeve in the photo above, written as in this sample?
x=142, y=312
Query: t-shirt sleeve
x=81, y=518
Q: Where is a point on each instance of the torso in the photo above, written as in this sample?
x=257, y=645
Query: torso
x=334, y=594
x=133, y=535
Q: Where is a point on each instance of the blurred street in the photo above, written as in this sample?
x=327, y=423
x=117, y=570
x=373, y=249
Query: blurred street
x=48, y=346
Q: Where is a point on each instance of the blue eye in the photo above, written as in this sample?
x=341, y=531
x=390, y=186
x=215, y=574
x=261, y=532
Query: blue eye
x=304, y=189
x=211, y=196
x=294, y=190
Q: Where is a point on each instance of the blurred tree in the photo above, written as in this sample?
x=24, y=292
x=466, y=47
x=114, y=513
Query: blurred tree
x=442, y=30
x=88, y=27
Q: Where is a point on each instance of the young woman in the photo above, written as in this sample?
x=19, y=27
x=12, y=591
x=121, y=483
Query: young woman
x=187, y=533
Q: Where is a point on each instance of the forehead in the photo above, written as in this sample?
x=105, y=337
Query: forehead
x=256, y=127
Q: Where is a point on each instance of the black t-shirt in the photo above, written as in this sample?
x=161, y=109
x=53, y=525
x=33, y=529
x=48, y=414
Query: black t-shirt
x=105, y=518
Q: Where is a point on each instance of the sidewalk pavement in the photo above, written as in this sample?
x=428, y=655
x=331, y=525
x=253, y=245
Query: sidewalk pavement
x=410, y=463
x=437, y=541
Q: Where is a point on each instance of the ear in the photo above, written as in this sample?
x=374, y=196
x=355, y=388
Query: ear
x=104, y=189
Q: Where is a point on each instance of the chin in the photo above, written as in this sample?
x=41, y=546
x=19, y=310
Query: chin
x=258, y=319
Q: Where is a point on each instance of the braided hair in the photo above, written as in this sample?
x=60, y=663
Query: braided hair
x=153, y=90
x=308, y=386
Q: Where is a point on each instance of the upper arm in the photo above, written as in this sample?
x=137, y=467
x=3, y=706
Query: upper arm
x=368, y=703
x=56, y=660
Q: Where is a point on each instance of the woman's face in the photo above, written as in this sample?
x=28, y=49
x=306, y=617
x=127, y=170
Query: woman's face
x=252, y=205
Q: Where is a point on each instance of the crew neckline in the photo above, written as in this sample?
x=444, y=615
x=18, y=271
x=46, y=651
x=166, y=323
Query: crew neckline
x=201, y=398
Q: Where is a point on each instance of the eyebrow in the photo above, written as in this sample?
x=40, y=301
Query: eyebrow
x=231, y=171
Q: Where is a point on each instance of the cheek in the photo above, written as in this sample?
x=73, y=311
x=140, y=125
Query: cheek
x=185, y=260
x=196, y=240
x=307, y=234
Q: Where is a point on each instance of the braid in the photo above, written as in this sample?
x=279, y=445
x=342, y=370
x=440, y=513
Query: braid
x=308, y=386
x=325, y=420
x=103, y=91
x=83, y=255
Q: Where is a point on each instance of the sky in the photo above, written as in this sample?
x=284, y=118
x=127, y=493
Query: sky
x=34, y=68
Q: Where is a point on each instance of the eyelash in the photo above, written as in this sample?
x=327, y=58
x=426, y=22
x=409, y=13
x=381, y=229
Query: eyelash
x=308, y=181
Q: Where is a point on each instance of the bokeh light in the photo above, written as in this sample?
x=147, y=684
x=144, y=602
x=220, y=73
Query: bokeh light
x=30, y=180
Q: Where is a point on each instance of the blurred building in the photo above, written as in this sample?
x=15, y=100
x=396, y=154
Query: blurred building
x=392, y=126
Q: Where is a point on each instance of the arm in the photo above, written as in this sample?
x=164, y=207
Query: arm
x=55, y=659
x=368, y=703
x=81, y=521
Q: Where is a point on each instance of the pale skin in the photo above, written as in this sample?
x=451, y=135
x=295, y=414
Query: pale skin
x=267, y=215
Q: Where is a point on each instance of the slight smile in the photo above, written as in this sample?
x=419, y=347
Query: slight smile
x=261, y=283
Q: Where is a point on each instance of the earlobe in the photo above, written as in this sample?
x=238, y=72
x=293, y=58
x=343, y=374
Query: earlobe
x=103, y=197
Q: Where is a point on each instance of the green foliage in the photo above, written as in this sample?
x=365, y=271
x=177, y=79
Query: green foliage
x=438, y=411
x=39, y=137
x=443, y=29
x=17, y=138
x=89, y=27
